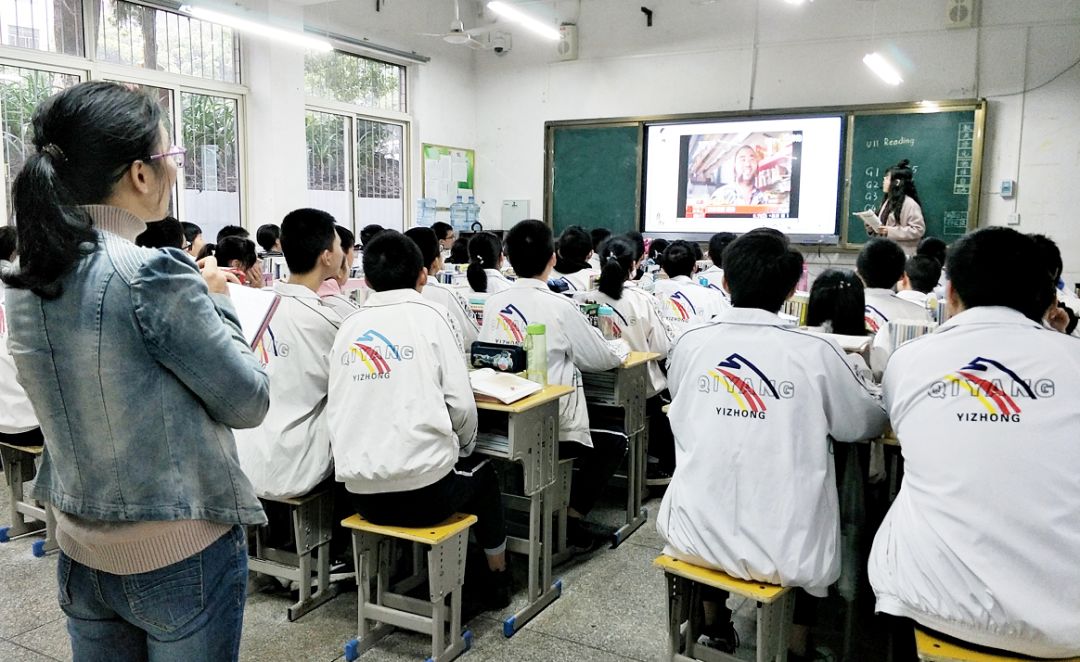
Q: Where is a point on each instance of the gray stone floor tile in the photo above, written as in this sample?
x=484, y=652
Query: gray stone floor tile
x=10, y=652
x=50, y=639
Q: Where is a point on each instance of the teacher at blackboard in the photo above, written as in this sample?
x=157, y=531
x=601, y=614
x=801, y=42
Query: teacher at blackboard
x=901, y=214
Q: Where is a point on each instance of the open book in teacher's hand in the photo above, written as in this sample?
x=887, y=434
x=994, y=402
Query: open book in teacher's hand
x=254, y=308
x=869, y=218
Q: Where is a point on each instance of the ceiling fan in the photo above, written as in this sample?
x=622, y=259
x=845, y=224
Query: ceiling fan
x=458, y=35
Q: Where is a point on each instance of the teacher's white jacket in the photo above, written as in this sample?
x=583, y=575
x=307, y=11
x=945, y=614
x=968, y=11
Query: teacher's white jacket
x=401, y=407
x=573, y=344
x=289, y=453
x=754, y=402
x=684, y=303
x=16, y=412
x=458, y=309
x=983, y=540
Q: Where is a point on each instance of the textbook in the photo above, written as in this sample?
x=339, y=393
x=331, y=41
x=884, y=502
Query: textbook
x=491, y=386
x=868, y=217
x=254, y=308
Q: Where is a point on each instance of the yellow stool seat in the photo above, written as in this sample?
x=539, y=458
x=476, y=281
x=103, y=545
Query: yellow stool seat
x=428, y=535
x=757, y=591
x=932, y=649
x=32, y=450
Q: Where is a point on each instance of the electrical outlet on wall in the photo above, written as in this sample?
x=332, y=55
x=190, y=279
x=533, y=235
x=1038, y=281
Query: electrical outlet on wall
x=1014, y=219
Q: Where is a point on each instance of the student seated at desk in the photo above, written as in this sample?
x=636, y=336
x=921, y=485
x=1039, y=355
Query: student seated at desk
x=754, y=404
x=937, y=249
x=713, y=277
x=447, y=297
x=572, y=267
x=881, y=266
x=237, y=254
x=18, y=424
x=1062, y=317
x=573, y=345
x=485, y=261
x=289, y=454
x=837, y=304
x=683, y=302
x=983, y=539
x=921, y=274
x=331, y=291
x=402, y=413
x=598, y=236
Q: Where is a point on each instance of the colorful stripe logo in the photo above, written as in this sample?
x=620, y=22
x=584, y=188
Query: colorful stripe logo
x=681, y=305
x=739, y=387
x=973, y=379
x=510, y=326
x=874, y=318
x=370, y=356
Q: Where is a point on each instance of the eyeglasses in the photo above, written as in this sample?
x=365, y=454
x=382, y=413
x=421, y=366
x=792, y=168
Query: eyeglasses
x=176, y=152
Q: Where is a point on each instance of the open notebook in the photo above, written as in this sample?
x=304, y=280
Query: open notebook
x=254, y=308
x=491, y=386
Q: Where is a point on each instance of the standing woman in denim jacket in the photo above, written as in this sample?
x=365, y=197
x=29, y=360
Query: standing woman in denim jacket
x=137, y=369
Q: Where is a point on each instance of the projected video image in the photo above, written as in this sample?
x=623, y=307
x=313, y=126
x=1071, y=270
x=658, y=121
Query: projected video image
x=740, y=175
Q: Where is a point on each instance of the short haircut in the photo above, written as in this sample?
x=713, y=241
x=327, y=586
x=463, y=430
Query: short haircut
x=392, y=262
x=717, y=243
x=347, y=238
x=923, y=273
x=639, y=241
x=761, y=270
x=267, y=235
x=234, y=247
x=837, y=301
x=575, y=244
x=459, y=251
x=657, y=247
x=8, y=242
x=368, y=232
x=678, y=259
x=190, y=231
x=441, y=229
x=881, y=263
x=933, y=247
x=1049, y=255
x=599, y=235
x=975, y=262
x=166, y=233
x=305, y=234
x=427, y=240
x=231, y=231
x=529, y=247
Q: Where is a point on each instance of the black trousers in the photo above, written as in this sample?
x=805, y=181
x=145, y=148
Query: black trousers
x=805, y=606
x=464, y=490
x=595, y=467
x=661, y=440
x=28, y=438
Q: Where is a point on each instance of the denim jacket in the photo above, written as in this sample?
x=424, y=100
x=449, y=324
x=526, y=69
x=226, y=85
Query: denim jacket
x=137, y=374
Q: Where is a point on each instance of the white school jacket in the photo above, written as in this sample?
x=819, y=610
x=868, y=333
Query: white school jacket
x=573, y=344
x=577, y=281
x=289, y=453
x=714, y=280
x=684, y=302
x=884, y=305
x=914, y=296
x=496, y=282
x=638, y=322
x=754, y=402
x=16, y=412
x=401, y=407
x=458, y=308
x=983, y=540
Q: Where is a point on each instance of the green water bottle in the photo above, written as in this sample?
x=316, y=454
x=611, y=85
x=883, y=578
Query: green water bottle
x=536, y=354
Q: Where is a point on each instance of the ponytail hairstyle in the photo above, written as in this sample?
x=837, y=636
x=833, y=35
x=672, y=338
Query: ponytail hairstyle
x=901, y=186
x=87, y=137
x=617, y=257
x=484, y=251
x=837, y=302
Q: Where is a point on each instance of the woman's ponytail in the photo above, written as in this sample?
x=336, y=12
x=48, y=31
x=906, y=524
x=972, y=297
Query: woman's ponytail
x=484, y=251
x=478, y=279
x=616, y=260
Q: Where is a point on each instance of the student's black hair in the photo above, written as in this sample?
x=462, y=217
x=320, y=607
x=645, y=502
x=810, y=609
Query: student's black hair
x=933, y=247
x=698, y=254
x=348, y=240
x=1049, y=255
x=191, y=231
x=678, y=259
x=529, y=247
x=639, y=241
x=368, y=232
x=901, y=186
x=208, y=249
x=974, y=265
x=599, y=236
x=232, y=231
x=267, y=235
x=484, y=251
x=166, y=233
x=657, y=248
x=428, y=242
x=459, y=251
x=236, y=248
x=8, y=242
x=305, y=234
x=573, y=250
x=616, y=260
x=837, y=297
x=392, y=261
x=881, y=263
x=85, y=138
x=761, y=270
x=923, y=273
x=717, y=243
x=441, y=229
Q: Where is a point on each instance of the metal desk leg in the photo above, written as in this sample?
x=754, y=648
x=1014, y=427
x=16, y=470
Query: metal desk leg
x=636, y=514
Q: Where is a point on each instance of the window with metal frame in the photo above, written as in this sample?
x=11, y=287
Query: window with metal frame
x=210, y=127
x=356, y=80
x=55, y=26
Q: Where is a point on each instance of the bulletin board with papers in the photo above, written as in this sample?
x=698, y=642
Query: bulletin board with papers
x=448, y=172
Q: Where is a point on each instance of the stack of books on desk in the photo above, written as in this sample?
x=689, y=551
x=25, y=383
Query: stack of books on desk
x=491, y=386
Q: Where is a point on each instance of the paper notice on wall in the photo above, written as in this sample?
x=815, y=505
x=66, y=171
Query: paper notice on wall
x=459, y=168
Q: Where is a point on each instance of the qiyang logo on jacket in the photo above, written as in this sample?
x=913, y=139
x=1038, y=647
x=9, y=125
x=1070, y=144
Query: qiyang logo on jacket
x=746, y=384
x=993, y=385
x=681, y=305
x=874, y=318
x=512, y=321
x=373, y=356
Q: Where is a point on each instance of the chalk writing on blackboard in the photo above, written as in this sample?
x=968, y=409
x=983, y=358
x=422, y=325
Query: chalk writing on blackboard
x=954, y=224
x=965, y=143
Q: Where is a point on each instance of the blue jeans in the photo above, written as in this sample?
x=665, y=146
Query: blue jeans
x=191, y=610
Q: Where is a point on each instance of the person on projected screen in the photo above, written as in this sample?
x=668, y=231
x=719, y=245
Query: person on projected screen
x=901, y=214
x=744, y=190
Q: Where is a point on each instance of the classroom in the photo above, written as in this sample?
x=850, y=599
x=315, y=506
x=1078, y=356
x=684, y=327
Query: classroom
x=539, y=330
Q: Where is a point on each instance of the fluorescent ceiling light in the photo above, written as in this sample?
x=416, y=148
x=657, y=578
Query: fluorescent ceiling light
x=884, y=70
x=291, y=37
x=532, y=23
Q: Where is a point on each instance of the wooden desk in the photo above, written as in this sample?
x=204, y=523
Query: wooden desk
x=532, y=441
x=626, y=388
x=28, y=516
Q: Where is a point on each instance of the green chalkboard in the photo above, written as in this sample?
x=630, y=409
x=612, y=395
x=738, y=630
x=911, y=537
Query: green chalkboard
x=944, y=148
x=595, y=176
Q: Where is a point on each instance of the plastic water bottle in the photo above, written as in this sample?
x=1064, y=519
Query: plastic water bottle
x=605, y=319
x=536, y=354
x=459, y=216
x=472, y=212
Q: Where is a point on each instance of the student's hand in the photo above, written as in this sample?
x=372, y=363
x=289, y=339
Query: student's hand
x=1057, y=318
x=216, y=279
x=254, y=275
